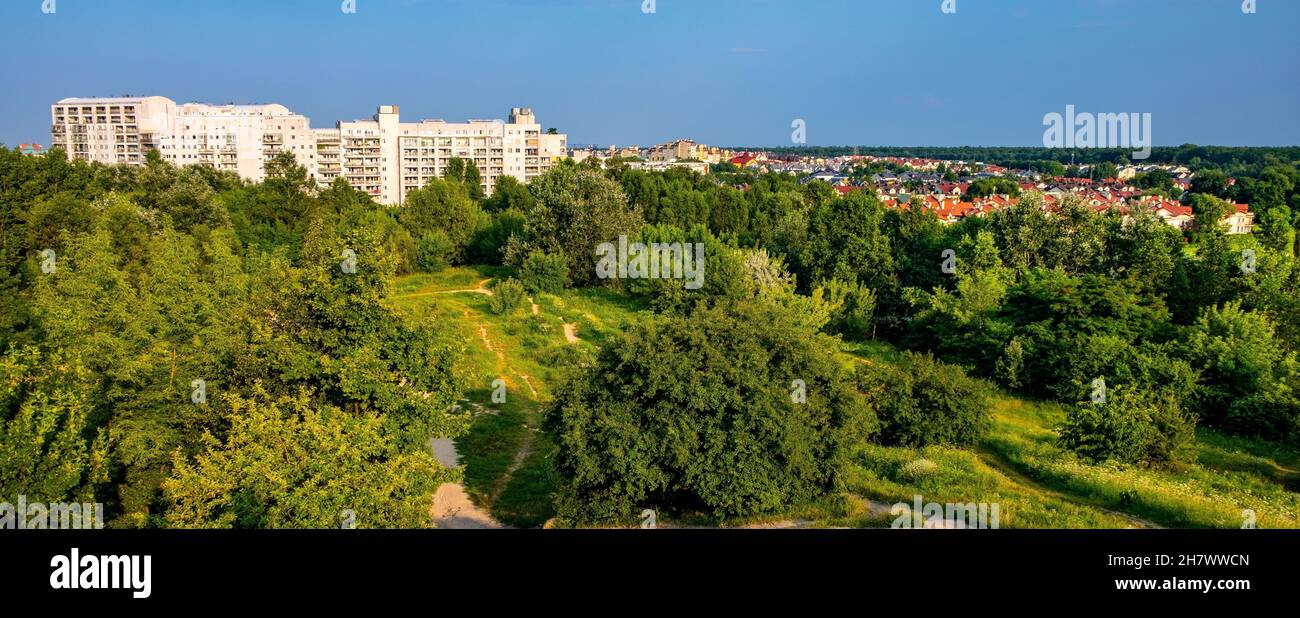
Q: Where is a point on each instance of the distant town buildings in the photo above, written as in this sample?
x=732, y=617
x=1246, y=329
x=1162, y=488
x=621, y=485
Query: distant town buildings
x=682, y=153
x=949, y=199
x=382, y=156
x=32, y=150
x=687, y=150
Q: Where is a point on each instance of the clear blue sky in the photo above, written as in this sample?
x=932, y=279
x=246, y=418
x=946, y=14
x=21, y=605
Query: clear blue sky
x=728, y=72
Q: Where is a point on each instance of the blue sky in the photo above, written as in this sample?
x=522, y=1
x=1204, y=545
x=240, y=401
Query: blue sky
x=727, y=72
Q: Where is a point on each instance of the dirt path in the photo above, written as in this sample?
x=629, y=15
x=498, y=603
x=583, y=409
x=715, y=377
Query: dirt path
x=999, y=464
x=529, y=383
x=452, y=508
x=481, y=289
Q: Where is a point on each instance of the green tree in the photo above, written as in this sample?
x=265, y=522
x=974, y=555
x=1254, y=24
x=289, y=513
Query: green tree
x=445, y=206
x=1240, y=358
x=45, y=453
x=1132, y=426
x=703, y=413
x=545, y=273
x=576, y=211
x=473, y=181
x=286, y=463
x=921, y=401
x=509, y=194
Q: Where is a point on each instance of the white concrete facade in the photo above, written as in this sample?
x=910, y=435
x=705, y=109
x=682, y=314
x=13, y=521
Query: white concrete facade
x=382, y=156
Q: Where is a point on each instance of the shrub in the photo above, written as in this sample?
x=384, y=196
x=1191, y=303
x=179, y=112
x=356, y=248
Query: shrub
x=507, y=297
x=695, y=413
x=1272, y=414
x=1244, y=369
x=916, y=470
x=1131, y=427
x=543, y=272
x=488, y=244
x=434, y=251
x=856, y=308
x=921, y=401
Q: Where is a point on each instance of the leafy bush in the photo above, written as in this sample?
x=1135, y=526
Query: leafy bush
x=921, y=401
x=434, y=251
x=1244, y=372
x=917, y=469
x=700, y=412
x=1270, y=414
x=507, y=297
x=856, y=309
x=445, y=206
x=1131, y=427
x=488, y=245
x=544, y=272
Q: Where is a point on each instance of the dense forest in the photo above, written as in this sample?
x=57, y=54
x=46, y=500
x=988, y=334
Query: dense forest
x=195, y=350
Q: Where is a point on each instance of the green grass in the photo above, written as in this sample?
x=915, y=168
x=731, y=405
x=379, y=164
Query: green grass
x=1018, y=465
x=507, y=458
x=1229, y=475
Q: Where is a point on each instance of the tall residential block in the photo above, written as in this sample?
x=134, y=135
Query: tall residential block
x=383, y=156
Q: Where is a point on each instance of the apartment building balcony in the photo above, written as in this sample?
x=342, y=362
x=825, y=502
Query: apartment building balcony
x=273, y=139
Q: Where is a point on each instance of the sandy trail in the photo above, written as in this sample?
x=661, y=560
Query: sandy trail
x=452, y=509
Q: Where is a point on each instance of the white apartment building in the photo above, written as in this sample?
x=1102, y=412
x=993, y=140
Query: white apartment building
x=382, y=156
x=388, y=158
x=238, y=138
x=113, y=130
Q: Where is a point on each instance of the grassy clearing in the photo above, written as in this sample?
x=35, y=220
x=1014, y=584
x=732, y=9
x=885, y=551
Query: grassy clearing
x=506, y=457
x=1050, y=487
x=1017, y=466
